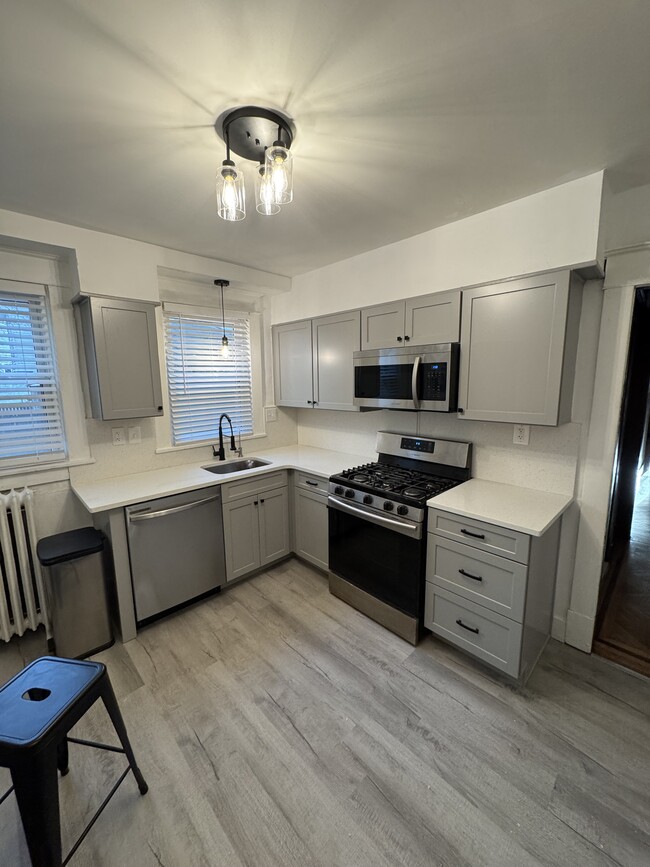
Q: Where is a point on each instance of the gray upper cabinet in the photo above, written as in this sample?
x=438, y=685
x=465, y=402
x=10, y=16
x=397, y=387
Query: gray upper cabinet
x=427, y=319
x=518, y=348
x=382, y=326
x=334, y=339
x=292, y=364
x=433, y=318
x=121, y=352
x=313, y=361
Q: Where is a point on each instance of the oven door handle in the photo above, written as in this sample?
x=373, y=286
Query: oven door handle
x=406, y=528
x=414, y=382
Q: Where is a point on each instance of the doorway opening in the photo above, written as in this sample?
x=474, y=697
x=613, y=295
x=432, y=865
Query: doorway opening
x=623, y=622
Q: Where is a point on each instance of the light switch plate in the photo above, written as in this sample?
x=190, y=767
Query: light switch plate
x=271, y=413
x=521, y=434
x=135, y=435
x=119, y=436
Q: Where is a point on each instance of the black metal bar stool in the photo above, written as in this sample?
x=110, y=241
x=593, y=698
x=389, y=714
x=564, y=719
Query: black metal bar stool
x=38, y=707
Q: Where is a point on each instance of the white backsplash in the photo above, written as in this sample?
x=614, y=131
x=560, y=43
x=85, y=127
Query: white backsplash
x=548, y=463
x=123, y=460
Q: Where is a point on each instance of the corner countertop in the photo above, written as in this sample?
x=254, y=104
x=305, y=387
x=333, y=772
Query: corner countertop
x=105, y=494
x=522, y=509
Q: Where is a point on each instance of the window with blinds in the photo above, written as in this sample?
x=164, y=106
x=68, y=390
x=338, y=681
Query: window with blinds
x=31, y=420
x=202, y=383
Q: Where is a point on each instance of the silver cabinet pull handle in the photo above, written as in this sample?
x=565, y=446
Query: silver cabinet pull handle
x=147, y=516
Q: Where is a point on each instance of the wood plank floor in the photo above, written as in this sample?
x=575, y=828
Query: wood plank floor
x=278, y=726
x=624, y=626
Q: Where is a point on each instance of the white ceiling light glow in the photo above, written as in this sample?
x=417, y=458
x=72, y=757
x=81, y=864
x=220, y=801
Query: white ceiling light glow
x=264, y=136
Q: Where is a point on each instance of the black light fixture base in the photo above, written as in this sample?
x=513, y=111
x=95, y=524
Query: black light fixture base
x=249, y=130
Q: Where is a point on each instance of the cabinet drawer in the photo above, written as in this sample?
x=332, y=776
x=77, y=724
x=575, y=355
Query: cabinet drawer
x=317, y=484
x=489, y=637
x=495, y=582
x=253, y=485
x=487, y=537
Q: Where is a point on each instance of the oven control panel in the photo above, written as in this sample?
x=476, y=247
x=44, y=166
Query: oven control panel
x=414, y=444
x=375, y=502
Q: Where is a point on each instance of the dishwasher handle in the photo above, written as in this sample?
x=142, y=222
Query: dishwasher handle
x=146, y=516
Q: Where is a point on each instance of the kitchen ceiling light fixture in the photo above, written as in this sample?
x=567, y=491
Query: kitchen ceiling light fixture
x=264, y=136
x=225, y=346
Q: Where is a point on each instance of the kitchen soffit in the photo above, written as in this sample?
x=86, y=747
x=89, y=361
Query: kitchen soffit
x=409, y=116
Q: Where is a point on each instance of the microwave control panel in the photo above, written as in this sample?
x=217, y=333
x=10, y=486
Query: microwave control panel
x=434, y=381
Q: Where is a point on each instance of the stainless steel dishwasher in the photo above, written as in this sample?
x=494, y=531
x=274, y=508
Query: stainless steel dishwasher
x=176, y=550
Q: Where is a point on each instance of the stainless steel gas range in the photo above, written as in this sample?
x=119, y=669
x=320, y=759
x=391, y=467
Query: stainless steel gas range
x=377, y=526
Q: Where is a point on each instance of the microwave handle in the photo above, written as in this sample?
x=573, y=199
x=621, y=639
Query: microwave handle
x=414, y=382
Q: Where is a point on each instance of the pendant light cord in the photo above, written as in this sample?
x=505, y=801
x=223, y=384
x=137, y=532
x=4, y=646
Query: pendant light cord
x=223, y=313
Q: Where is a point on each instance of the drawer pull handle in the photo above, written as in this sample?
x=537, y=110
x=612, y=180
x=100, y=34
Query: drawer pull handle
x=313, y=484
x=465, y=626
x=469, y=575
x=473, y=535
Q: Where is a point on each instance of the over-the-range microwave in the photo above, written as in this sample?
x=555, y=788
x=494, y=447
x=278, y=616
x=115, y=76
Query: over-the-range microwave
x=407, y=377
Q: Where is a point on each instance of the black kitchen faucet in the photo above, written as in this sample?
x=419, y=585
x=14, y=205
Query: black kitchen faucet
x=221, y=452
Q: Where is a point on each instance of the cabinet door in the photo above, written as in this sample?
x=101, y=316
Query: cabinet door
x=292, y=364
x=382, y=326
x=433, y=318
x=312, y=539
x=126, y=357
x=512, y=350
x=274, y=526
x=334, y=339
x=241, y=530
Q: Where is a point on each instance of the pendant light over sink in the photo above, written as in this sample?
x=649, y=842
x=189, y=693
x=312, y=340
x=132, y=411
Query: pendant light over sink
x=264, y=136
x=225, y=346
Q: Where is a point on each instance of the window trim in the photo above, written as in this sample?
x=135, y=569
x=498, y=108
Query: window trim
x=163, y=424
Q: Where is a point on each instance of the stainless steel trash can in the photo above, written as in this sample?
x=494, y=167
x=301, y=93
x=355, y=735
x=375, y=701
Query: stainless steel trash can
x=75, y=581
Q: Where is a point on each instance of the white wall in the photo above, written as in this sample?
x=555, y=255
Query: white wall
x=74, y=259
x=552, y=229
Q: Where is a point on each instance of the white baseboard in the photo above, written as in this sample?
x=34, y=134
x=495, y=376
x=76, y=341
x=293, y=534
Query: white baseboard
x=579, y=630
x=558, y=628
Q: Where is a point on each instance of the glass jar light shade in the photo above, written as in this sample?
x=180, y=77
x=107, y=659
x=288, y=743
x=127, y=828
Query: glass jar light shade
x=231, y=202
x=264, y=192
x=279, y=165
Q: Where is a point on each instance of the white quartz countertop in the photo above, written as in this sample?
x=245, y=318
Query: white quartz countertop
x=105, y=494
x=523, y=509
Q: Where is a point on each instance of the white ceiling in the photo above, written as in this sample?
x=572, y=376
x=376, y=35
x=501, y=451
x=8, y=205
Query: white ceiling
x=410, y=114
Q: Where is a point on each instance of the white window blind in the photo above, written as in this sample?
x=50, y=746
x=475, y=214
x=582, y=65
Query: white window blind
x=31, y=421
x=202, y=383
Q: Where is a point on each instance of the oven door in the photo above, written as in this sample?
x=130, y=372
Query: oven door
x=381, y=554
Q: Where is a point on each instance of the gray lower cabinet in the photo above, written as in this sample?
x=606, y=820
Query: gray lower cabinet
x=311, y=539
x=255, y=523
x=490, y=590
x=518, y=349
x=120, y=345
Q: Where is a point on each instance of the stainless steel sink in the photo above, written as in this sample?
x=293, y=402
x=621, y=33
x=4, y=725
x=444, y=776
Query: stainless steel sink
x=236, y=466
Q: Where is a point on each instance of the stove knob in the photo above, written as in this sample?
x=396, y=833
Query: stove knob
x=402, y=510
x=349, y=494
x=388, y=506
x=368, y=500
x=338, y=490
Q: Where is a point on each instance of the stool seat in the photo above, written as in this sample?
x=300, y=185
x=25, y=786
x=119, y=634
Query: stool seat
x=38, y=708
x=37, y=698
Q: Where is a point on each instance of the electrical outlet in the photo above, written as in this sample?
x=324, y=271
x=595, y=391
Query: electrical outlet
x=271, y=413
x=119, y=436
x=134, y=434
x=521, y=434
